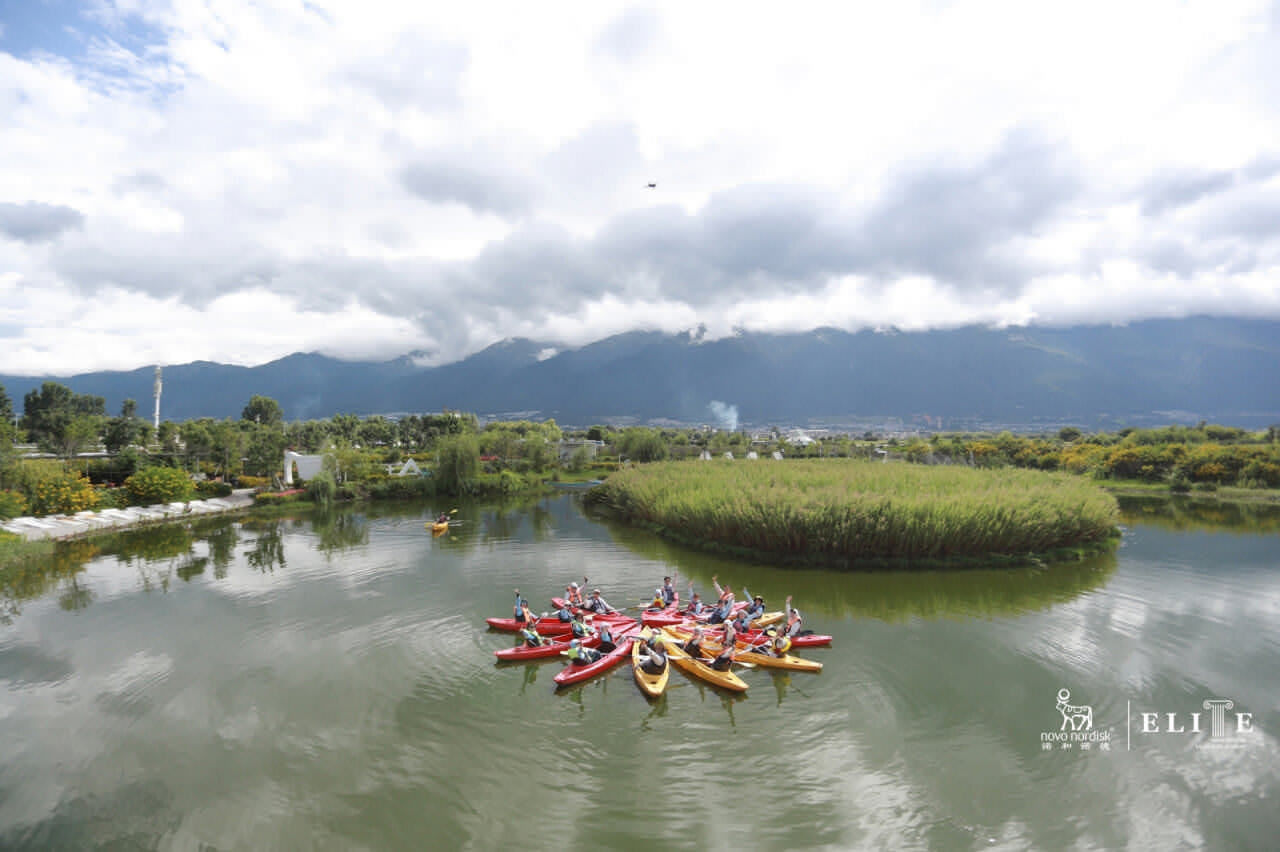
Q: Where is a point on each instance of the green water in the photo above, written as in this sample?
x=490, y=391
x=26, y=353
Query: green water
x=329, y=683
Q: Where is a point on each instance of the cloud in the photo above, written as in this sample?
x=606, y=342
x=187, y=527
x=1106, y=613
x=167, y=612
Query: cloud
x=631, y=35
x=460, y=180
x=454, y=177
x=33, y=222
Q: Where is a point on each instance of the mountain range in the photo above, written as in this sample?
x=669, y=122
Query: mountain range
x=1152, y=372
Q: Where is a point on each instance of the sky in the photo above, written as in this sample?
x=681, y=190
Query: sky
x=238, y=180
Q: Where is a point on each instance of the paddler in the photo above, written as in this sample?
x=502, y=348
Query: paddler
x=564, y=613
x=793, y=620
x=573, y=593
x=652, y=658
x=581, y=630
x=724, y=659
x=669, y=590
x=730, y=634
x=522, y=612
x=597, y=604
x=658, y=603
x=532, y=638
x=696, y=606
x=693, y=645
x=606, y=638
x=724, y=606
x=580, y=656
x=755, y=609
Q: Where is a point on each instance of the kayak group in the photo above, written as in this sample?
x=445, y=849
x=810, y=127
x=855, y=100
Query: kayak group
x=705, y=640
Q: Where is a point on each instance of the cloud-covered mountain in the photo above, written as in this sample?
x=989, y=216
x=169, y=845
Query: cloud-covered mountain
x=1152, y=372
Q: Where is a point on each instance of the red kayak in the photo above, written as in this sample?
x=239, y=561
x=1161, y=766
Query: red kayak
x=551, y=649
x=550, y=626
x=546, y=626
x=670, y=617
x=622, y=651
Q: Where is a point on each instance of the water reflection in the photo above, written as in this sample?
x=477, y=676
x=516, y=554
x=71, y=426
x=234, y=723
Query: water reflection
x=353, y=703
x=340, y=530
x=266, y=550
x=886, y=595
x=1190, y=513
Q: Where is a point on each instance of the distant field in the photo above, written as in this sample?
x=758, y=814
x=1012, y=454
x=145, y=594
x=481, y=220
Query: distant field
x=858, y=512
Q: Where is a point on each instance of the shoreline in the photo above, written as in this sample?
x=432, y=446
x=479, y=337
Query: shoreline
x=64, y=527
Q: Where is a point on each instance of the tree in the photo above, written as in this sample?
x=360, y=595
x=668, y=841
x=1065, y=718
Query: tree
x=124, y=430
x=6, y=408
x=73, y=436
x=263, y=410
x=457, y=462
x=264, y=449
x=641, y=444
x=49, y=412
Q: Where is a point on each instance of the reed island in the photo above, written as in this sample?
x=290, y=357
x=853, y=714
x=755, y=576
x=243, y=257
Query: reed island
x=862, y=514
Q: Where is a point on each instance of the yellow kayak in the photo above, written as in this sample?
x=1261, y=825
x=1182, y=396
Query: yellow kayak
x=759, y=658
x=767, y=619
x=439, y=527
x=699, y=669
x=650, y=684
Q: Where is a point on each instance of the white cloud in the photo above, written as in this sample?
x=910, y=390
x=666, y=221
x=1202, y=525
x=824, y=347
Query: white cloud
x=396, y=177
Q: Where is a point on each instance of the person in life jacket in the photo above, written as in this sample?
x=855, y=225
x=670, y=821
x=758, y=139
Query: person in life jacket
x=730, y=634
x=522, y=612
x=606, y=638
x=755, y=609
x=741, y=622
x=564, y=613
x=724, y=659
x=781, y=645
x=793, y=620
x=658, y=602
x=532, y=638
x=696, y=606
x=581, y=630
x=693, y=645
x=669, y=590
x=653, y=659
x=573, y=594
x=597, y=604
x=579, y=655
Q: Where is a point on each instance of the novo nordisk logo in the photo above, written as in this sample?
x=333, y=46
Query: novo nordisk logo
x=1076, y=732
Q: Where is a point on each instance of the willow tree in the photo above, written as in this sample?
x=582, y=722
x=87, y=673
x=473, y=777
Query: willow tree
x=457, y=462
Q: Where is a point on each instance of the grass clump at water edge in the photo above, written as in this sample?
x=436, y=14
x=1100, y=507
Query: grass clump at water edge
x=864, y=514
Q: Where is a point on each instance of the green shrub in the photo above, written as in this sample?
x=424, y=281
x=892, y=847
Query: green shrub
x=322, y=488
x=211, y=488
x=254, y=482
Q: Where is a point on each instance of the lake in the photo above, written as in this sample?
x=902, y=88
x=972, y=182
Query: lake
x=328, y=682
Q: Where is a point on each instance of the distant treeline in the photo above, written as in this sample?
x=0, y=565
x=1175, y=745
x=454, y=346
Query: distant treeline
x=89, y=448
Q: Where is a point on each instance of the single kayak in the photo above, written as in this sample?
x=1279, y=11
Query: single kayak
x=439, y=527
x=576, y=673
x=651, y=684
x=552, y=626
x=699, y=669
x=549, y=649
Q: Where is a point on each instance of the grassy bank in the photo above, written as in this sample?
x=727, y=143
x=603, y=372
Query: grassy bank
x=864, y=514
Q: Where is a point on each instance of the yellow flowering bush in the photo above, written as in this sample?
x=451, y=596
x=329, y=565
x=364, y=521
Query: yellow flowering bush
x=62, y=493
